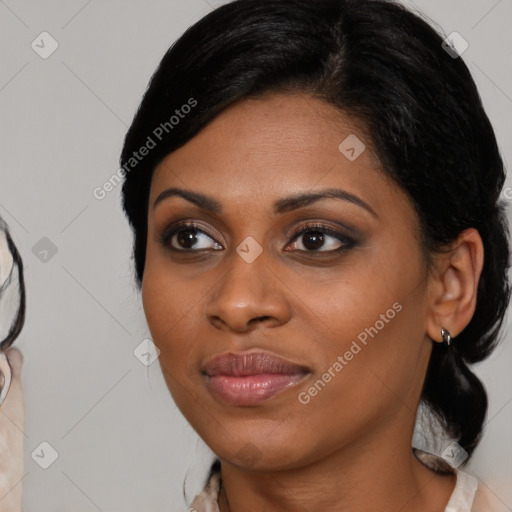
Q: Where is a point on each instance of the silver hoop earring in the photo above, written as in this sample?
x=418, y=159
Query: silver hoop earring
x=446, y=336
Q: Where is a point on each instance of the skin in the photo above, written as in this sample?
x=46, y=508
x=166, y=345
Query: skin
x=349, y=448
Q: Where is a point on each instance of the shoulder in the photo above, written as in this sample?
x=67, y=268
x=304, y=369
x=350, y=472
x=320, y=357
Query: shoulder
x=472, y=495
x=488, y=501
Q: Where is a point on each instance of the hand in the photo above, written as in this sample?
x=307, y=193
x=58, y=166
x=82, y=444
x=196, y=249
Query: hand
x=12, y=426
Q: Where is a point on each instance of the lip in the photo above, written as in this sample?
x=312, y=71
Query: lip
x=249, y=378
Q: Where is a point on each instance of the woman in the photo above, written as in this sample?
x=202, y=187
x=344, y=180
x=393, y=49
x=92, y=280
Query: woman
x=314, y=191
x=12, y=416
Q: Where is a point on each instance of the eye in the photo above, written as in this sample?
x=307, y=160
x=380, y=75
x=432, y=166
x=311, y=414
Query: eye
x=321, y=238
x=188, y=236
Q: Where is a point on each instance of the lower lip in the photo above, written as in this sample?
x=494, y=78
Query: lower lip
x=251, y=389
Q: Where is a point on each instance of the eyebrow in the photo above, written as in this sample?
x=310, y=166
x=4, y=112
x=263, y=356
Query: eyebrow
x=283, y=205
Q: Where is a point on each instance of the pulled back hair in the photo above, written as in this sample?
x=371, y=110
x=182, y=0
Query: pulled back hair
x=384, y=66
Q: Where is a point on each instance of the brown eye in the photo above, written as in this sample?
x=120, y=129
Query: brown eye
x=320, y=238
x=188, y=237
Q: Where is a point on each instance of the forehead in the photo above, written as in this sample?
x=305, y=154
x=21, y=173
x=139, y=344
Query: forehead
x=259, y=150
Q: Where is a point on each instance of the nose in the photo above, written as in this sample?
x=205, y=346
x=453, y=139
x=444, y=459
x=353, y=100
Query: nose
x=248, y=294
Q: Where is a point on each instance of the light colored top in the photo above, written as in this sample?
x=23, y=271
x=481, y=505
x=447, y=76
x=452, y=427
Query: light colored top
x=467, y=496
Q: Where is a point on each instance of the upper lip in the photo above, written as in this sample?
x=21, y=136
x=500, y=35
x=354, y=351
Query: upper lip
x=240, y=364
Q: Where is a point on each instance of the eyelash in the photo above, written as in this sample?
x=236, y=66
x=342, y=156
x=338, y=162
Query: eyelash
x=348, y=242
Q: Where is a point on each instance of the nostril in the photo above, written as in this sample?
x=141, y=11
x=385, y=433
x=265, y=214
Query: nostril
x=260, y=318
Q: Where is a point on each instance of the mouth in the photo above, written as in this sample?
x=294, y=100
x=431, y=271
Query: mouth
x=252, y=377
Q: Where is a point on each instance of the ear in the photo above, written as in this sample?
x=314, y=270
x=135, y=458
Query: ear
x=453, y=285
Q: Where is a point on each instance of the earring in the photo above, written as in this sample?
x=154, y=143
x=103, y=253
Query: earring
x=446, y=336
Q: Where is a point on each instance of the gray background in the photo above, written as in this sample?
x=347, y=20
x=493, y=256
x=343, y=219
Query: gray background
x=121, y=443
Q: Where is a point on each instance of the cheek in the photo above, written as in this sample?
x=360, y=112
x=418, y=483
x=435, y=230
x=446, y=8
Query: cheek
x=364, y=385
x=373, y=350
x=362, y=298
x=170, y=309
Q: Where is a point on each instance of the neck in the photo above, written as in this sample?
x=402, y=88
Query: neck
x=378, y=472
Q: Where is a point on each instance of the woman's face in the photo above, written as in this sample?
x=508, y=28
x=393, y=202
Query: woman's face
x=343, y=304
